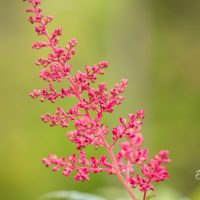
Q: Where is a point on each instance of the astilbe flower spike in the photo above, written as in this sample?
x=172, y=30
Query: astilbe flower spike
x=89, y=130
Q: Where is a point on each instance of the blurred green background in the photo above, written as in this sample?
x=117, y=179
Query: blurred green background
x=155, y=44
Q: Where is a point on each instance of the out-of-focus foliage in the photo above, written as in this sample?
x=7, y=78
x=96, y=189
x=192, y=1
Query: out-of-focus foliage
x=70, y=195
x=155, y=44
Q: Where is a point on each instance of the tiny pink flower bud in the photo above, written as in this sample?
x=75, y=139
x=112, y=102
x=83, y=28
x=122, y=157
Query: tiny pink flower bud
x=73, y=43
x=35, y=93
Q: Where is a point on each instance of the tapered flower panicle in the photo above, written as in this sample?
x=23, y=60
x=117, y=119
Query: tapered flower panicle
x=87, y=113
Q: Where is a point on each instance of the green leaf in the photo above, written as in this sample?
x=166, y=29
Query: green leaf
x=70, y=195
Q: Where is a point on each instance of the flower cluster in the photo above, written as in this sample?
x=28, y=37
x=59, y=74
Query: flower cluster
x=82, y=165
x=154, y=171
x=87, y=113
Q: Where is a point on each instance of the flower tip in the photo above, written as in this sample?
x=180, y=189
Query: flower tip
x=73, y=42
x=103, y=64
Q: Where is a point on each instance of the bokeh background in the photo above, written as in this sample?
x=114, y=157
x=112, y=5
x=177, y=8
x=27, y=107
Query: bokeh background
x=155, y=44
